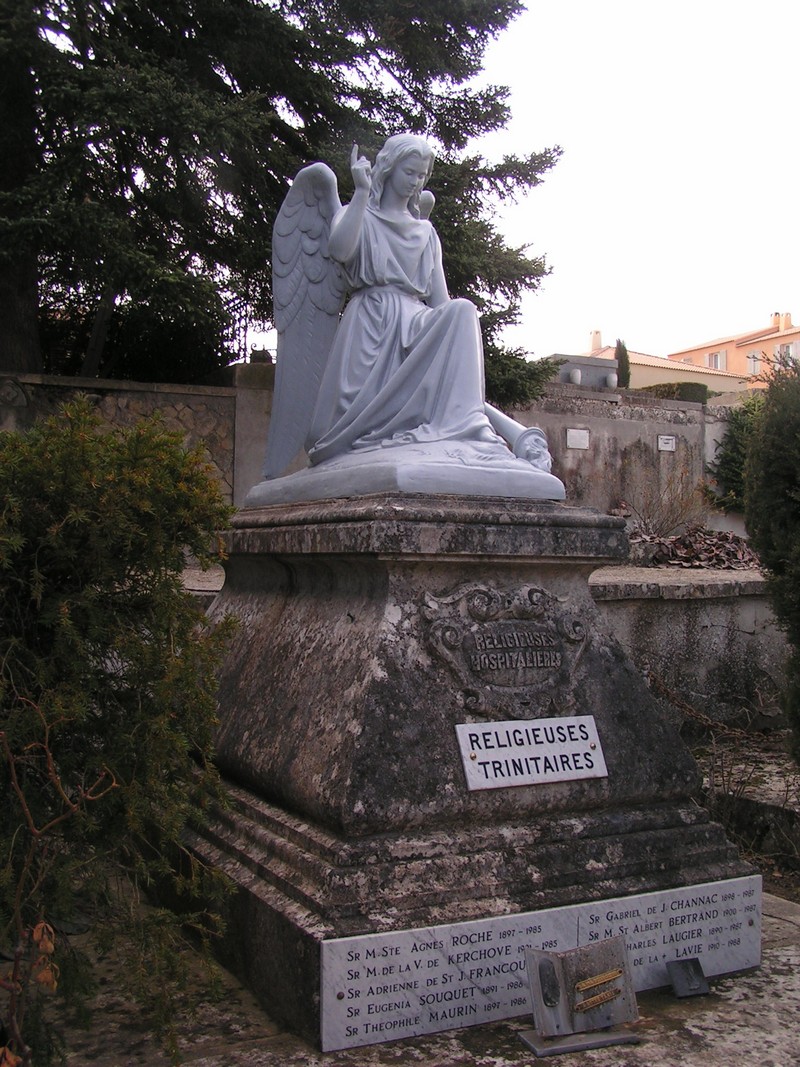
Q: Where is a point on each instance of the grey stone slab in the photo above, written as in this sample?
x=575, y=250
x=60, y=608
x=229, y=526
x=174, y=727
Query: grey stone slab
x=411, y=982
x=674, y=583
x=558, y=1046
x=747, y=1018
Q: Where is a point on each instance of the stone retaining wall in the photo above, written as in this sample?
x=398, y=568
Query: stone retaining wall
x=203, y=415
x=709, y=638
x=607, y=446
x=610, y=447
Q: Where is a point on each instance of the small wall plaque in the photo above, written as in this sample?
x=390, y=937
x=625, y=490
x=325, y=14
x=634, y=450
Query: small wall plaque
x=497, y=755
x=577, y=438
x=667, y=442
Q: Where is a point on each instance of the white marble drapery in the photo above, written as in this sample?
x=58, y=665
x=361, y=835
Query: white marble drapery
x=401, y=372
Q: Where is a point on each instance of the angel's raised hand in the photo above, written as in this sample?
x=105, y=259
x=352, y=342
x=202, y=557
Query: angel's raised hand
x=361, y=169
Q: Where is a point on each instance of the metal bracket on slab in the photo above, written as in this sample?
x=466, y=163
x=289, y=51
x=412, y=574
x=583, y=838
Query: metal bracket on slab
x=579, y=996
x=687, y=977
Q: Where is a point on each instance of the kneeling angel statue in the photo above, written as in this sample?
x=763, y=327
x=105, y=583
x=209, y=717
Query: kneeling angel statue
x=379, y=372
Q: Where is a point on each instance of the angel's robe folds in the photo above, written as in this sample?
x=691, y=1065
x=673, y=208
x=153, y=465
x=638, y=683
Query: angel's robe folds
x=401, y=372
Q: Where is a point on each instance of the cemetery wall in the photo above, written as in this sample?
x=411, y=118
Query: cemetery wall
x=202, y=414
x=708, y=640
x=607, y=447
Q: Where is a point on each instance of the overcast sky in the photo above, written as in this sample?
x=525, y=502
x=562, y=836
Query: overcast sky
x=672, y=216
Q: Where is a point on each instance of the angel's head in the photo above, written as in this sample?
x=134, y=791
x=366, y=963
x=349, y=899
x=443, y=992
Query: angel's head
x=403, y=151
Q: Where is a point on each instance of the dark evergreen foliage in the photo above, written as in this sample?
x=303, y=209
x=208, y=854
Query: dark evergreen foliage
x=512, y=381
x=107, y=691
x=692, y=392
x=772, y=512
x=728, y=466
x=480, y=266
x=145, y=148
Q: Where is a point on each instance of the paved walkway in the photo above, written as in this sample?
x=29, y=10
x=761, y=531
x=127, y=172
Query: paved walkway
x=753, y=1018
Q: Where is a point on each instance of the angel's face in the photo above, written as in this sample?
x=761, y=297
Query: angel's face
x=408, y=175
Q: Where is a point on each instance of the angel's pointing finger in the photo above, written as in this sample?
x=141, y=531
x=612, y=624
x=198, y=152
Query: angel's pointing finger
x=360, y=168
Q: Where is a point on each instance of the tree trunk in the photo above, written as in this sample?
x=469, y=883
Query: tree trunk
x=102, y=318
x=19, y=326
x=19, y=290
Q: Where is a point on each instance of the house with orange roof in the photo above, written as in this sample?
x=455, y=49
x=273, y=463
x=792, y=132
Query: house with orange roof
x=657, y=370
x=745, y=355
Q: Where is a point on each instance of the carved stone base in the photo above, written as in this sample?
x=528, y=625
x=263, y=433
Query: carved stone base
x=299, y=885
x=369, y=630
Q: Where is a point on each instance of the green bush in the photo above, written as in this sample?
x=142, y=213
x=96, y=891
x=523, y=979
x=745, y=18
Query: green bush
x=772, y=513
x=107, y=695
x=728, y=467
x=512, y=380
x=691, y=392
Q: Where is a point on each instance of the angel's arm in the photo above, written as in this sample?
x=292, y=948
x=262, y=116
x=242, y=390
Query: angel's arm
x=439, y=293
x=346, y=227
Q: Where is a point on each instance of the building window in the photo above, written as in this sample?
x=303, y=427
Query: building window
x=786, y=351
x=753, y=362
x=717, y=360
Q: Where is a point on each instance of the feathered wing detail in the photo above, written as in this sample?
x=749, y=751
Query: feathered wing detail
x=308, y=291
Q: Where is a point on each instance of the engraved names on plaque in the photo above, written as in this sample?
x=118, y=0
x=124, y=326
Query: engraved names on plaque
x=381, y=987
x=499, y=755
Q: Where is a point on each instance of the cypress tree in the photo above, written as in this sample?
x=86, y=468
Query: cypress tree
x=623, y=364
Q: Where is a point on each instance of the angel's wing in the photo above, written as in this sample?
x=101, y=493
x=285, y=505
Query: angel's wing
x=308, y=291
x=426, y=203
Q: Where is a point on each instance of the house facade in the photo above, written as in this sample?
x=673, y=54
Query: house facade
x=657, y=370
x=745, y=355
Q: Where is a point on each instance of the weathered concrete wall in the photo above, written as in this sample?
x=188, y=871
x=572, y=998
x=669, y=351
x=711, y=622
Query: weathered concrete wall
x=204, y=415
x=254, y=385
x=708, y=637
x=609, y=447
x=637, y=449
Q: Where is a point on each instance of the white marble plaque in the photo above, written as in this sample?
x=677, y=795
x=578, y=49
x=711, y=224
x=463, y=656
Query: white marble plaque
x=667, y=442
x=577, y=438
x=497, y=755
x=381, y=987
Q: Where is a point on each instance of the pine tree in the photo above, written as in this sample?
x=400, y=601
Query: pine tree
x=728, y=467
x=145, y=148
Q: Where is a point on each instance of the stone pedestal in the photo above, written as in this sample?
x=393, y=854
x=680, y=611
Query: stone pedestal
x=369, y=630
